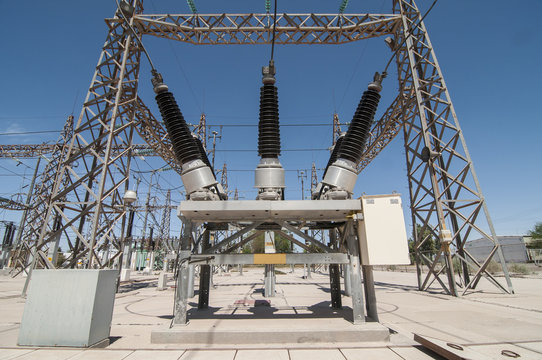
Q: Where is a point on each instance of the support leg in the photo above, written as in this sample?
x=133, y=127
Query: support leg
x=355, y=274
x=204, y=275
x=356, y=291
x=370, y=295
x=347, y=284
x=181, y=295
x=335, y=286
x=204, y=284
x=191, y=274
x=269, y=280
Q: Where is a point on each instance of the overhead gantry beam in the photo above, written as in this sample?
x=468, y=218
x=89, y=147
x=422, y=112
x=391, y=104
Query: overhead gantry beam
x=251, y=29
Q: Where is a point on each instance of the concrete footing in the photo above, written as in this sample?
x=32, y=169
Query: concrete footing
x=270, y=331
x=162, y=281
x=124, y=274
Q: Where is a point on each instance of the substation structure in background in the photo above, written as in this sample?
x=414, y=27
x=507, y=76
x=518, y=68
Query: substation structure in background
x=85, y=202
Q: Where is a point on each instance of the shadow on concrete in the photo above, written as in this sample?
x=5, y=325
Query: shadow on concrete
x=136, y=285
x=112, y=339
x=277, y=283
x=412, y=288
x=263, y=310
x=396, y=286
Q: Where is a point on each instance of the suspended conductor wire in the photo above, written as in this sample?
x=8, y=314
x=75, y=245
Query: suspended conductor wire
x=408, y=35
x=135, y=35
x=274, y=29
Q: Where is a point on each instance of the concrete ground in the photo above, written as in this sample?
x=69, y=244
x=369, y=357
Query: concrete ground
x=484, y=323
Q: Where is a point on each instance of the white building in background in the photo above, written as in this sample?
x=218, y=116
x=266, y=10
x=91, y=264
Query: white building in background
x=513, y=248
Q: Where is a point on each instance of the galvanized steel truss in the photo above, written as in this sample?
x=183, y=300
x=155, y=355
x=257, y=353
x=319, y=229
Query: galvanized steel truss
x=255, y=29
x=444, y=191
x=87, y=194
x=30, y=249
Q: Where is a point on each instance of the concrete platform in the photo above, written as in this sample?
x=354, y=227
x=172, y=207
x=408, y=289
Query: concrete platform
x=270, y=331
x=485, y=321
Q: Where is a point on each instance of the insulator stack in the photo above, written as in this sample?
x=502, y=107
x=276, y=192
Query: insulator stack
x=184, y=146
x=268, y=127
x=333, y=156
x=203, y=153
x=354, y=142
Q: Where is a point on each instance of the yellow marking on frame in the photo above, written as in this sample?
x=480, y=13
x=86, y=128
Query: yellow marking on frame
x=266, y=259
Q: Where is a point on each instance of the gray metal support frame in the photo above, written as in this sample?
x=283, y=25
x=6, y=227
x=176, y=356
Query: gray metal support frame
x=288, y=218
x=249, y=259
x=300, y=233
x=232, y=237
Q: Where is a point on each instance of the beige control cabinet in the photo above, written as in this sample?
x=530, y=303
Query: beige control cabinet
x=382, y=232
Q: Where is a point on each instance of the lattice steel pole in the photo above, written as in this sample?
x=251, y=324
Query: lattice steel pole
x=165, y=224
x=444, y=190
x=224, y=178
x=106, y=122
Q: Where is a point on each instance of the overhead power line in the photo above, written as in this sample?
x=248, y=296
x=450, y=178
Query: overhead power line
x=281, y=125
x=287, y=150
x=215, y=125
x=30, y=132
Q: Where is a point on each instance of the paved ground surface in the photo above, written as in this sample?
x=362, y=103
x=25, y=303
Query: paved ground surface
x=484, y=322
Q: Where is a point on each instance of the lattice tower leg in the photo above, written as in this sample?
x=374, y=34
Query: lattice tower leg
x=444, y=191
x=98, y=175
x=39, y=200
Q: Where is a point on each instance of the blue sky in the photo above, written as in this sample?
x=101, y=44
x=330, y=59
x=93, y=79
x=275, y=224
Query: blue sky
x=489, y=53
